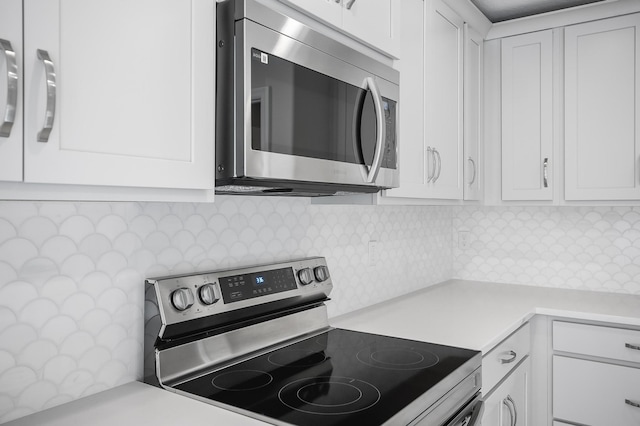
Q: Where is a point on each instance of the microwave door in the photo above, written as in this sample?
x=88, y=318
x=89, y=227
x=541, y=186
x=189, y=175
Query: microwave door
x=369, y=130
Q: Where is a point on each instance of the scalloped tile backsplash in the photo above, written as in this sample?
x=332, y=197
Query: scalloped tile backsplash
x=583, y=248
x=72, y=274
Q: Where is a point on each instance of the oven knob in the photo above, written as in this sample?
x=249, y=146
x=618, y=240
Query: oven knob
x=305, y=276
x=321, y=273
x=182, y=299
x=209, y=294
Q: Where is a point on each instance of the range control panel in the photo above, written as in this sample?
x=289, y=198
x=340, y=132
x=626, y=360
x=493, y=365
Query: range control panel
x=246, y=286
x=186, y=297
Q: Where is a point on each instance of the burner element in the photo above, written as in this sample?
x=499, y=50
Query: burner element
x=242, y=380
x=296, y=358
x=327, y=395
x=397, y=358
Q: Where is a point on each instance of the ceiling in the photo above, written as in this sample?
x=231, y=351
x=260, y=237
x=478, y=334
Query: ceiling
x=504, y=10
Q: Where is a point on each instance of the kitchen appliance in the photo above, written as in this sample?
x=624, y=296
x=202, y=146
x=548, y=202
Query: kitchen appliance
x=297, y=112
x=257, y=341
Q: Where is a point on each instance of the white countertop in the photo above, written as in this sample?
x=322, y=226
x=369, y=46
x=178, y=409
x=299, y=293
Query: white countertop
x=474, y=315
x=478, y=315
x=134, y=404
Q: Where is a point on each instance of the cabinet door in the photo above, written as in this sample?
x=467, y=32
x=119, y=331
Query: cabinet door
x=11, y=90
x=602, y=115
x=508, y=404
x=373, y=21
x=595, y=393
x=473, y=78
x=327, y=10
x=527, y=117
x=133, y=93
x=444, y=100
x=412, y=154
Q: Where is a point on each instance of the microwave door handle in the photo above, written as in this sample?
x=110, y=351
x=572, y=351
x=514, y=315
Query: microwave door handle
x=370, y=83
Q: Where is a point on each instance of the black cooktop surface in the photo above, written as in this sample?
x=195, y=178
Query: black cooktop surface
x=340, y=377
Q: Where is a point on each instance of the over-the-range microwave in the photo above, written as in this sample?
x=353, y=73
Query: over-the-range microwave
x=297, y=112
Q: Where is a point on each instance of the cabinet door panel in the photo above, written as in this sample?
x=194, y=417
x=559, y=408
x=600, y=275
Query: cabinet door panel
x=508, y=404
x=327, y=10
x=372, y=21
x=444, y=99
x=134, y=92
x=473, y=78
x=527, y=116
x=412, y=155
x=602, y=118
x=11, y=139
x=594, y=393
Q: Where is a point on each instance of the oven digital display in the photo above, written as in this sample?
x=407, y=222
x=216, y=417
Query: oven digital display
x=248, y=286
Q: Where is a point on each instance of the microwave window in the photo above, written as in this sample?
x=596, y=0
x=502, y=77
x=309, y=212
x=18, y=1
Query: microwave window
x=301, y=112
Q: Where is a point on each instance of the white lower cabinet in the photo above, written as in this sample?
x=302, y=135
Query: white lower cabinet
x=595, y=393
x=596, y=375
x=508, y=403
x=505, y=380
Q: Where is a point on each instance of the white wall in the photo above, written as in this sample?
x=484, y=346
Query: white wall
x=72, y=275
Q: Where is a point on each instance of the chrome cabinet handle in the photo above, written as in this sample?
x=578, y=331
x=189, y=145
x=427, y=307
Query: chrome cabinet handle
x=350, y=4
x=632, y=346
x=50, y=113
x=507, y=402
x=473, y=177
x=437, y=176
x=431, y=171
x=545, y=172
x=12, y=88
x=632, y=403
x=515, y=410
x=512, y=358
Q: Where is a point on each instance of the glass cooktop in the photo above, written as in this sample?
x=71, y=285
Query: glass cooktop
x=340, y=377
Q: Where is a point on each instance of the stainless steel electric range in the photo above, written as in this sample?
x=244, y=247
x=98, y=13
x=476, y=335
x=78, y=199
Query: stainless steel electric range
x=257, y=341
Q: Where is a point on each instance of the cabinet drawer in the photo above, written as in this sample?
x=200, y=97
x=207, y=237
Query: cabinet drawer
x=605, y=342
x=595, y=393
x=503, y=358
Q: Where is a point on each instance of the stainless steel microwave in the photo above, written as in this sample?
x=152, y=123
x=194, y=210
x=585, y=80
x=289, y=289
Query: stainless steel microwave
x=298, y=113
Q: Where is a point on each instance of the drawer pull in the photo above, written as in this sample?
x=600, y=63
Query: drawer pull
x=512, y=357
x=630, y=346
x=632, y=403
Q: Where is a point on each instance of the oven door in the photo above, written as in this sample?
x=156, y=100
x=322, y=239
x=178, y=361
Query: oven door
x=305, y=115
x=471, y=415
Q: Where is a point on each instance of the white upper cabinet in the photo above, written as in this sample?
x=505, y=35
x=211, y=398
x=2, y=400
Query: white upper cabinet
x=444, y=44
x=437, y=145
x=602, y=110
x=473, y=80
x=527, y=116
x=411, y=157
x=375, y=22
x=11, y=90
x=119, y=92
